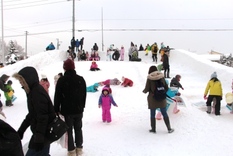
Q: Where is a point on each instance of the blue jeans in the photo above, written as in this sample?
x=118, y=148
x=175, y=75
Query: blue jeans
x=43, y=152
x=163, y=111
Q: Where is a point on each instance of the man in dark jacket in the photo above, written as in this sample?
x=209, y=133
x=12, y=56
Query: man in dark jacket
x=81, y=43
x=69, y=100
x=40, y=111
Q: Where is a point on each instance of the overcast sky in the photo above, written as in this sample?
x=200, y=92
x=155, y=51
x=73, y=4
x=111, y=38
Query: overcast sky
x=40, y=18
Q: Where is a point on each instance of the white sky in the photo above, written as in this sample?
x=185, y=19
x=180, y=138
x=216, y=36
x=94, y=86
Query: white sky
x=196, y=132
x=56, y=15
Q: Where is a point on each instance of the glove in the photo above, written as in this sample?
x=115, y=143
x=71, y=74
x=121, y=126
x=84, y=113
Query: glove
x=20, y=133
x=205, y=97
x=39, y=146
x=174, y=100
x=182, y=88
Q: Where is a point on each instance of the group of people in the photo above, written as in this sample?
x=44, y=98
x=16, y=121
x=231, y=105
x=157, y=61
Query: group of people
x=41, y=110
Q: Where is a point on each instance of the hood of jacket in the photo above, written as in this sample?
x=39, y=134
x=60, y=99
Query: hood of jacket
x=156, y=75
x=28, y=76
x=4, y=78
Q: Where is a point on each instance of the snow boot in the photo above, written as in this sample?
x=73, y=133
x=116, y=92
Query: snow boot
x=71, y=153
x=176, y=110
x=208, y=109
x=79, y=151
x=168, y=74
x=9, y=103
x=152, y=123
x=167, y=123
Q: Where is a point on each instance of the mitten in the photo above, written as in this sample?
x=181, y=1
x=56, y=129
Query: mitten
x=205, y=97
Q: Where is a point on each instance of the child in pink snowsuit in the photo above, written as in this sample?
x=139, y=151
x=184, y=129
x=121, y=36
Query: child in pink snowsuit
x=114, y=81
x=45, y=83
x=105, y=101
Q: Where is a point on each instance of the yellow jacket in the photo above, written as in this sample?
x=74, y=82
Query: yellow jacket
x=214, y=88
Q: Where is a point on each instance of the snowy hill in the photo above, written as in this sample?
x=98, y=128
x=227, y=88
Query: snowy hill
x=196, y=132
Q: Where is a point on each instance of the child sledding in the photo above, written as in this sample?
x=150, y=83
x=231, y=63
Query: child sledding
x=94, y=66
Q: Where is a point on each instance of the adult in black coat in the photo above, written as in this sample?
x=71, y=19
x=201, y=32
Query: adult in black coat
x=95, y=47
x=70, y=100
x=10, y=143
x=73, y=44
x=166, y=65
x=81, y=43
x=40, y=111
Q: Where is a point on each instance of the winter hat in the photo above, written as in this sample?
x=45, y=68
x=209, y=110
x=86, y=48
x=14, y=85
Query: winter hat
x=214, y=74
x=105, y=88
x=9, y=82
x=68, y=65
x=43, y=76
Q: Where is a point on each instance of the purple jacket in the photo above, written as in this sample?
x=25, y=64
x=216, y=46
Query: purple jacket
x=106, y=101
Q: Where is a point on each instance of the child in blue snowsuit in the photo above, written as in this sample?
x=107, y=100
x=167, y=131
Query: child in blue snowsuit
x=171, y=93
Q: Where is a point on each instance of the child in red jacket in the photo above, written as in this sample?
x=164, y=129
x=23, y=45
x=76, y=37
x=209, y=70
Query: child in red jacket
x=126, y=82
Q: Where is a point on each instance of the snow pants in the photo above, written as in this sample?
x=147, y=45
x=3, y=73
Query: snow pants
x=106, y=114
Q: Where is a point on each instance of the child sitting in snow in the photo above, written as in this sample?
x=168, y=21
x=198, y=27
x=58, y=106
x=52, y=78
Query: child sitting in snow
x=173, y=95
x=105, y=101
x=94, y=66
x=114, y=81
x=126, y=82
x=93, y=88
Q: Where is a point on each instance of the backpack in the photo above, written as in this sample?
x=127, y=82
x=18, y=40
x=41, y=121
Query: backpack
x=160, y=91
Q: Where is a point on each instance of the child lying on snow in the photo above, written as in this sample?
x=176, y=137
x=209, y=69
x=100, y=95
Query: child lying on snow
x=114, y=81
x=93, y=88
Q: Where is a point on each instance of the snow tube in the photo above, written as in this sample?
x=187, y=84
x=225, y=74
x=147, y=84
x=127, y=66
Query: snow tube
x=229, y=98
x=116, y=55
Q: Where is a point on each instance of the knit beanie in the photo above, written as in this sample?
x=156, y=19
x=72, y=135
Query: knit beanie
x=68, y=64
x=214, y=74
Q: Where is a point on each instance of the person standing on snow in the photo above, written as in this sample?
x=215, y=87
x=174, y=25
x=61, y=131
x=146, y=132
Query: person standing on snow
x=214, y=88
x=69, y=101
x=40, y=112
x=154, y=74
x=3, y=80
x=166, y=65
x=105, y=101
x=122, y=53
x=81, y=43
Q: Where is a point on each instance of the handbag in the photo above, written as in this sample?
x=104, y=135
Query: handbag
x=56, y=129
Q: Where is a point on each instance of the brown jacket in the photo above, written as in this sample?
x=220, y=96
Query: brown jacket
x=150, y=87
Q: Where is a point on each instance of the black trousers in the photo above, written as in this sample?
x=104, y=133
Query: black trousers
x=218, y=102
x=75, y=123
